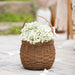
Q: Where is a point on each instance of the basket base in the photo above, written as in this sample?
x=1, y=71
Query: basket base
x=37, y=69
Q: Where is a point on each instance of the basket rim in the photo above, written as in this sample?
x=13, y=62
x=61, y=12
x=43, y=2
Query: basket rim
x=39, y=43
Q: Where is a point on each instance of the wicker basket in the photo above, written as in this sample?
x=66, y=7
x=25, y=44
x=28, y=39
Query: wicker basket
x=38, y=56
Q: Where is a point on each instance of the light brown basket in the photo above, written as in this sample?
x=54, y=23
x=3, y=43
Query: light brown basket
x=39, y=56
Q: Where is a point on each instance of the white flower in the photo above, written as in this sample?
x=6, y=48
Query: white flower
x=45, y=72
x=34, y=32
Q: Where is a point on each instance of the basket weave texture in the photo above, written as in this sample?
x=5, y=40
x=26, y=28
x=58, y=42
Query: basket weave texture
x=39, y=56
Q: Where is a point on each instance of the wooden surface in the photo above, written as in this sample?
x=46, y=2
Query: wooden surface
x=53, y=12
x=70, y=24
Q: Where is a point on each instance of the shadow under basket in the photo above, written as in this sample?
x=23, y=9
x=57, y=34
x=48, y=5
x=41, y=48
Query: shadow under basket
x=39, y=56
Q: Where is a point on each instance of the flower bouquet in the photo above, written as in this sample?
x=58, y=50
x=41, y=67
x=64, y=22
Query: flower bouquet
x=37, y=50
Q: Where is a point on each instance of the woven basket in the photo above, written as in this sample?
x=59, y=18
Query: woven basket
x=39, y=56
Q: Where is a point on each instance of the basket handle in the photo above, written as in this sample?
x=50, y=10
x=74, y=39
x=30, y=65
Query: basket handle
x=41, y=17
